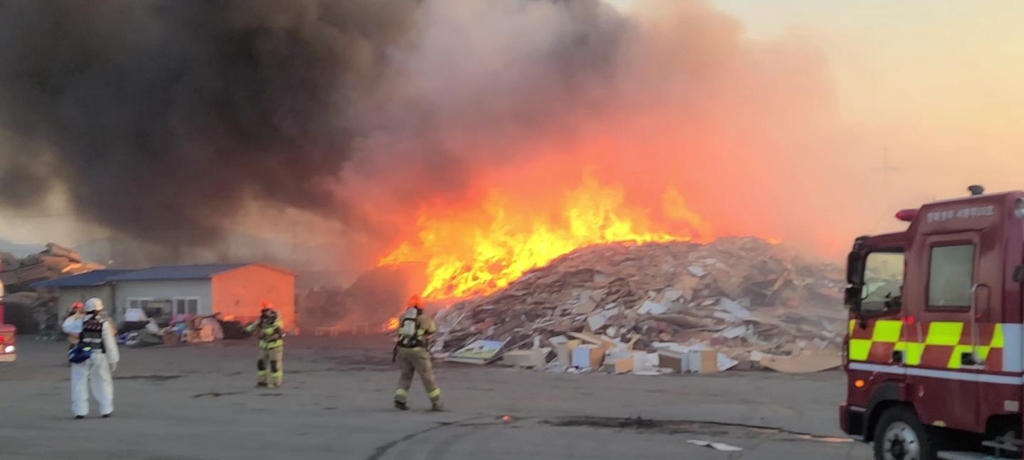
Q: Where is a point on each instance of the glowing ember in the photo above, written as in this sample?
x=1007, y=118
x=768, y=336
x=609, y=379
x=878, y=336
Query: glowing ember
x=391, y=325
x=480, y=251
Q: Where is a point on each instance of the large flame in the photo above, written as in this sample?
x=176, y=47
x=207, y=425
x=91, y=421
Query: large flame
x=477, y=252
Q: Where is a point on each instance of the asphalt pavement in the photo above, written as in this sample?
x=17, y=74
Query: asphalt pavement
x=200, y=402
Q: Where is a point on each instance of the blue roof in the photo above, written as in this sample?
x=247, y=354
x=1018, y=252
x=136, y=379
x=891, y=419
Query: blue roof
x=88, y=279
x=176, y=272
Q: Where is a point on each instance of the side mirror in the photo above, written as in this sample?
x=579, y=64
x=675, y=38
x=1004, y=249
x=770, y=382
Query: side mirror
x=852, y=298
x=855, y=268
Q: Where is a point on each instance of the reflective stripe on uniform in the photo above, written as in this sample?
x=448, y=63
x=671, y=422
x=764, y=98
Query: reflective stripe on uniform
x=271, y=345
x=435, y=393
x=401, y=392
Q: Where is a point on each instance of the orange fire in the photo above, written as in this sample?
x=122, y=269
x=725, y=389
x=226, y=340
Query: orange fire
x=391, y=325
x=476, y=252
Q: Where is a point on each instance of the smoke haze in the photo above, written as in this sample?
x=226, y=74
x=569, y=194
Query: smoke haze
x=164, y=120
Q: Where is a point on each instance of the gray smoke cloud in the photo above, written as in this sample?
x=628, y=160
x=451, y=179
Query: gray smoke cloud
x=163, y=118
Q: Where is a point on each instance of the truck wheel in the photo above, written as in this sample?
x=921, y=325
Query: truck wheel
x=899, y=435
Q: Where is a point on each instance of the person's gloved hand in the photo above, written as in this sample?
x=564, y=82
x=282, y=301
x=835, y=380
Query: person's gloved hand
x=113, y=367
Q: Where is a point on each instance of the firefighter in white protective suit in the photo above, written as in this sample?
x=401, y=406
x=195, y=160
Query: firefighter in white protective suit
x=92, y=361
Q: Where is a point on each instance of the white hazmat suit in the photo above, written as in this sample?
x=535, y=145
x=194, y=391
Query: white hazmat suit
x=94, y=373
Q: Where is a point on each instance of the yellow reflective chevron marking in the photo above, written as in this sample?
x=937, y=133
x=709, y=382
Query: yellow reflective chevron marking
x=859, y=349
x=914, y=352
x=982, y=352
x=997, y=337
x=887, y=331
x=955, y=359
x=942, y=341
x=944, y=333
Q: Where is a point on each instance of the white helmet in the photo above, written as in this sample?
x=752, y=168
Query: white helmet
x=93, y=304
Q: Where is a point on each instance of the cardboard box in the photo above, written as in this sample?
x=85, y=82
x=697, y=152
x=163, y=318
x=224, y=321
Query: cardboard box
x=671, y=360
x=588, y=356
x=525, y=358
x=702, y=362
x=563, y=352
x=623, y=366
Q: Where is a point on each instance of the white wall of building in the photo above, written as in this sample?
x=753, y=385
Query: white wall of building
x=163, y=291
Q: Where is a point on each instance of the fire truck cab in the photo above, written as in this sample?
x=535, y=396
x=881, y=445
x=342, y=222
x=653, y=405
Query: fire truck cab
x=933, y=354
x=8, y=347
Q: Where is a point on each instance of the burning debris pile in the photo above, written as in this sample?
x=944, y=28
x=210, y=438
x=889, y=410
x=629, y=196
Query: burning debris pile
x=658, y=307
x=54, y=262
x=28, y=309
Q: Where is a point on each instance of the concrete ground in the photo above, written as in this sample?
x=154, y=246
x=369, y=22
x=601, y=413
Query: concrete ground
x=199, y=402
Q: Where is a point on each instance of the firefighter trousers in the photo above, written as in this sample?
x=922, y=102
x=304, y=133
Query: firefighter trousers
x=270, y=365
x=416, y=361
x=94, y=375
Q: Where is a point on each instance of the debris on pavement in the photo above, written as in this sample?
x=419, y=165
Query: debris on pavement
x=802, y=363
x=715, y=445
x=478, y=352
x=664, y=307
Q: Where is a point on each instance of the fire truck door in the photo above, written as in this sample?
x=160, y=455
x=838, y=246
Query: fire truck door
x=942, y=332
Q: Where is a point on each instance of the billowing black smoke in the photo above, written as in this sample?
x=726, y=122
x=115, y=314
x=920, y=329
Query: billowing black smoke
x=163, y=118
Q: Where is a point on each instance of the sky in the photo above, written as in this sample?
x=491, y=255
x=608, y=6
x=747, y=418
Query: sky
x=933, y=88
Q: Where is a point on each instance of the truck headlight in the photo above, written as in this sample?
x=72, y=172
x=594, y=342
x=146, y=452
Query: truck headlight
x=9, y=349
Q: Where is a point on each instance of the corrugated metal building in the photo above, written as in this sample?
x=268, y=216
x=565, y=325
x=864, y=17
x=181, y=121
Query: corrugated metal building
x=233, y=290
x=79, y=288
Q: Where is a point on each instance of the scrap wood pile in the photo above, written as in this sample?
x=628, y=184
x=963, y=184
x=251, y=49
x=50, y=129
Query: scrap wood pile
x=54, y=262
x=657, y=308
x=33, y=311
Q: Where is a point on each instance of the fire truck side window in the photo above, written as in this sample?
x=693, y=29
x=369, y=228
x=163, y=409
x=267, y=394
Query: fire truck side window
x=883, y=281
x=950, y=273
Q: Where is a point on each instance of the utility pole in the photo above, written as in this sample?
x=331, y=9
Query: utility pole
x=885, y=169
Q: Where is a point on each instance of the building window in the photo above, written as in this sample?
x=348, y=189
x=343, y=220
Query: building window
x=139, y=302
x=883, y=281
x=186, y=306
x=950, y=274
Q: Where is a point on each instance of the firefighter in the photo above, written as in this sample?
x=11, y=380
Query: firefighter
x=413, y=356
x=270, y=331
x=74, y=315
x=98, y=357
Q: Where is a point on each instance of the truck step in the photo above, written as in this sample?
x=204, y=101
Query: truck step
x=950, y=455
x=1004, y=445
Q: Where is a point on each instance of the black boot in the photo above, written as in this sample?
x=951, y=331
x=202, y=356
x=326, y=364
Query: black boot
x=401, y=405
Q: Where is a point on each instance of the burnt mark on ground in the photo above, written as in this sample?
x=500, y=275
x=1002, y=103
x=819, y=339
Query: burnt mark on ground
x=701, y=427
x=214, y=394
x=151, y=378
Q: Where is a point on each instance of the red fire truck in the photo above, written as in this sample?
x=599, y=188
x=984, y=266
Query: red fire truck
x=934, y=353
x=8, y=349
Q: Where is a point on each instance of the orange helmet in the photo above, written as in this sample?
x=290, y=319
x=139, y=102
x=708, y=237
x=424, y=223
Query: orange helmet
x=77, y=306
x=414, y=301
